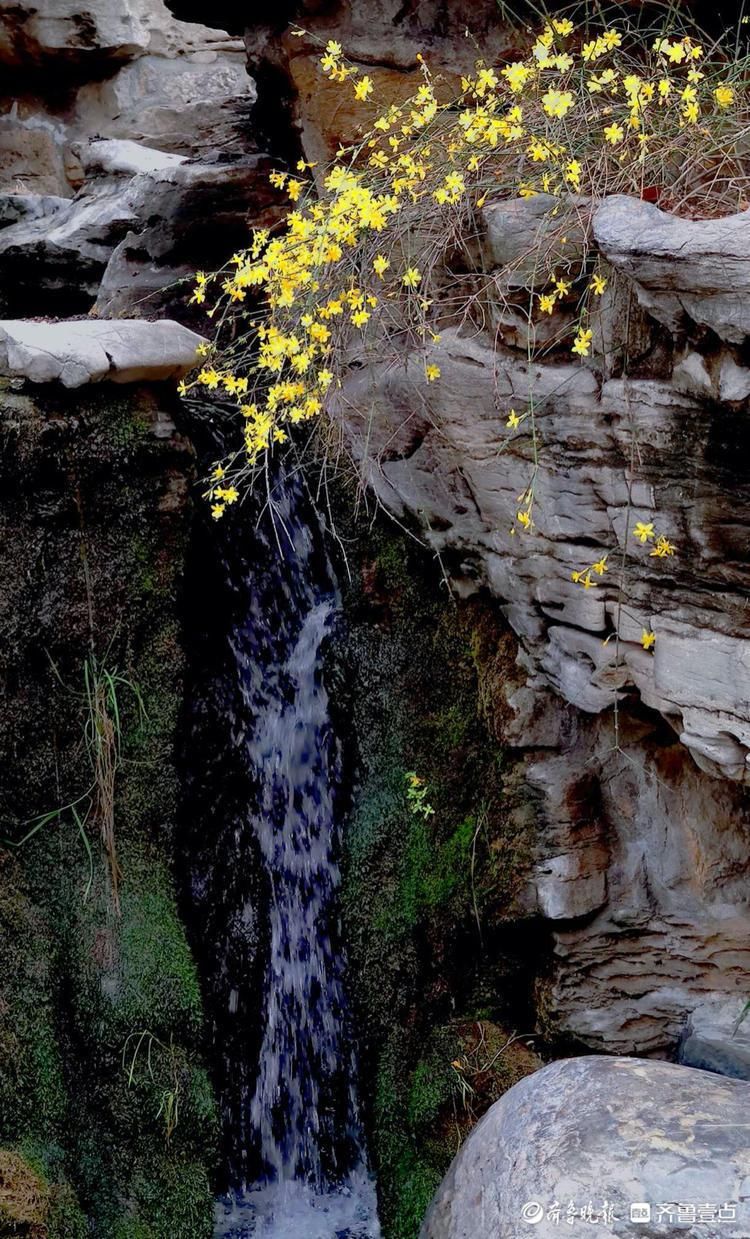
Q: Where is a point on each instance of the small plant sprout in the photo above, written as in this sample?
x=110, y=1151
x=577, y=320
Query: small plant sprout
x=416, y=795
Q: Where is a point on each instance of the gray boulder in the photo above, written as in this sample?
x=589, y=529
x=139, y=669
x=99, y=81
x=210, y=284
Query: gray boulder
x=77, y=352
x=620, y=1146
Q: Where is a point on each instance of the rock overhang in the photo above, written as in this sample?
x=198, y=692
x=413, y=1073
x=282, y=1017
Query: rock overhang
x=75, y=352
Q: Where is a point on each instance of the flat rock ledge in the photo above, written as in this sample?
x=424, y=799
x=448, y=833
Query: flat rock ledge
x=662, y=1150
x=76, y=352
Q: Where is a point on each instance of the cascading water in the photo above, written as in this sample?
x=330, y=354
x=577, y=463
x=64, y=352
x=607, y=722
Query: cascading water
x=293, y=1138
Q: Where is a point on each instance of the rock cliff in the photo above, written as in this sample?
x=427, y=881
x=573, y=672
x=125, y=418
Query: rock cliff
x=134, y=148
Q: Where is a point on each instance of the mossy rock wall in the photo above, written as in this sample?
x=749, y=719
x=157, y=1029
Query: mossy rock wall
x=107, y=1119
x=441, y=950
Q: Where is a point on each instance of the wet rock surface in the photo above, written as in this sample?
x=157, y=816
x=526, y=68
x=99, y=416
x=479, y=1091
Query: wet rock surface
x=603, y=1135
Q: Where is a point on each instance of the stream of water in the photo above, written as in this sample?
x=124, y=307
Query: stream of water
x=299, y=1167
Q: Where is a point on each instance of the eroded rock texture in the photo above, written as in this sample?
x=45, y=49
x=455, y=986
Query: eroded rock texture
x=642, y=868
x=599, y=1135
x=129, y=157
x=126, y=150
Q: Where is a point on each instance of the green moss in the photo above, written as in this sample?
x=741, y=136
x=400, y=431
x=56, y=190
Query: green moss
x=91, y=548
x=175, y=1199
x=430, y=1089
x=135, y=971
x=433, y=873
x=66, y=1219
x=426, y=900
x=32, y=1092
x=405, y=1103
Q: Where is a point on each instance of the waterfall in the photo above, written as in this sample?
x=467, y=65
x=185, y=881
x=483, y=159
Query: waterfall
x=292, y=1127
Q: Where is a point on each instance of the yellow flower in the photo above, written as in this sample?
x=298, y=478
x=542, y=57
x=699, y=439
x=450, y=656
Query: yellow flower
x=564, y=27
x=227, y=494
x=587, y=582
x=380, y=265
x=611, y=38
x=557, y=102
x=663, y=548
x=182, y=388
x=600, y=567
x=582, y=342
x=516, y=74
x=209, y=378
x=547, y=302
x=647, y=639
x=411, y=277
x=597, y=83
x=294, y=188
x=486, y=80
x=278, y=179
x=363, y=88
x=539, y=151
x=614, y=133
x=724, y=96
x=217, y=510
x=598, y=284
x=644, y=531
x=513, y=420
x=432, y=372
x=360, y=317
x=524, y=519
x=333, y=48
x=573, y=174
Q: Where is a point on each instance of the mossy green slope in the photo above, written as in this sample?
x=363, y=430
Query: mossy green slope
x=429, y=901
x=120, y=1144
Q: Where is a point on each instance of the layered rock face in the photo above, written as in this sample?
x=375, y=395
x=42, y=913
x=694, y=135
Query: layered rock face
x=125, y=152
x=642, y=869
x=639, y=757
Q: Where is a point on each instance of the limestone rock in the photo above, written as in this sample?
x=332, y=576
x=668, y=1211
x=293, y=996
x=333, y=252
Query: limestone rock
x=570, y=876
x=57, y=252
x=451, y=459
x=640, y=870
x=684, y=269
x=32, y=149
x=193, y=104
x=529, y=237
x=32, y=33
x=717, y=1037
x=122, y=157
x=603, y=1133
x=189, y=217
x=383, y=37
x=74, y=353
